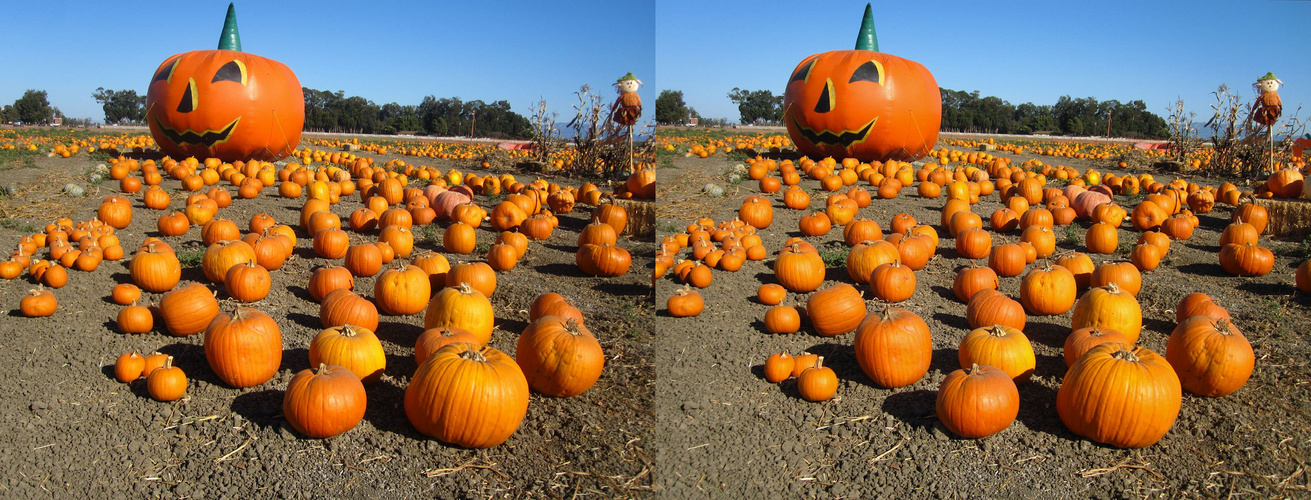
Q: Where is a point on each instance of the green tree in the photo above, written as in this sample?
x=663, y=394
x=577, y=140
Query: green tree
x=757, y=106
x=121, y=105
x=33, y=107
x=670, y=108
x=9, y=114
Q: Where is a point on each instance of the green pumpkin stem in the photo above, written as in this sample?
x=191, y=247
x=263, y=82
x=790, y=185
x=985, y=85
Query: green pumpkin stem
x=866, y=39
x=229, y=39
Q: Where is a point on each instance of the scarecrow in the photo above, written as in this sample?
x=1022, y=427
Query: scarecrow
x=1267, y=109
x=628, y=106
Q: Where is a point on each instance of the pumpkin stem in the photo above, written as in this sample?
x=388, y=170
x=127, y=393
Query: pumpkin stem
x=819, y=362
x=1112, y=287
x=974, y=368
x=168, y=363
x=229, y=39
x=348, y=331
x=475, y=355
x=571, y=327
x=323, y=367
x=1125, y=354
x=865, y=40
x=465, y=288
x=997, y=331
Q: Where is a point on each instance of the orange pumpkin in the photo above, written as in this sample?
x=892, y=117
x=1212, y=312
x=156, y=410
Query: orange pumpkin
x=862, y=104
x=225, y=103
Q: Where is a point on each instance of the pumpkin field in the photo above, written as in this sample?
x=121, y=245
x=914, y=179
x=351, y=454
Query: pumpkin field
x=293, y=301
x=1000, y=319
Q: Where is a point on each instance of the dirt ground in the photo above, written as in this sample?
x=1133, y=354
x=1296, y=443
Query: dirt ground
x=69, y=430
x=722, y=431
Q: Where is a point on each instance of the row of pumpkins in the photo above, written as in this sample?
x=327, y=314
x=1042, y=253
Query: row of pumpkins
x=1206, y=354
x=556, y=354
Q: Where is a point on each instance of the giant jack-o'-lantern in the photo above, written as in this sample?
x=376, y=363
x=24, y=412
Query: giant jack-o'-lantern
x=862, y=103
x=225, y=103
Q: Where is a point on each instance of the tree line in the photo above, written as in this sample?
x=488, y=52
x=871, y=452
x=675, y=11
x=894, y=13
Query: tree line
x=967, y=112
x=325, y=111
x=445, y=117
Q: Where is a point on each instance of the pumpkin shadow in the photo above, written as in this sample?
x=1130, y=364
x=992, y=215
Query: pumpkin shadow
x=191, y=358
x=914, y=408
x=398, y=333
x=399, y=363
x=1155, y=325
x=301, y=293
x=944, y=292
x=560, y=269
x=561, y=248
x=575, y=224
x=1204, y=269
x=1048, y=334
x=295, y=359
x=842, y=360
x=1038, y=410
x=1266, y=289
x=386, y=408
x=121, y=278
x=260, y=407
x=306, y=253
x=622, y=289
x=1216, y=224
x=956, y=321
x=312, y=322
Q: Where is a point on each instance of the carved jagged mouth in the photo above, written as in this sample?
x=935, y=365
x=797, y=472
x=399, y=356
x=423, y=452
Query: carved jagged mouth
x=845, y=138
x=206, y=138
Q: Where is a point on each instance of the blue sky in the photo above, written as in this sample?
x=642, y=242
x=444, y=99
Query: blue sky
x=1024, y=51
x=384, y=51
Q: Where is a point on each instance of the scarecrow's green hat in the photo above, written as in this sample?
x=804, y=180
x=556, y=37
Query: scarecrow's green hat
x=629, y=76
x=1268, y=76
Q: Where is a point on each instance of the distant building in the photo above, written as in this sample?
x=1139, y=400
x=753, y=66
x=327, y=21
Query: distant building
x=691, y=122
x=57, y=122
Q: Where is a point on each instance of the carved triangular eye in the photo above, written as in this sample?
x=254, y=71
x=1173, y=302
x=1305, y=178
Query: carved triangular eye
x=166, y=72
x=871, y=71
x=803, y=73
x=233, y=71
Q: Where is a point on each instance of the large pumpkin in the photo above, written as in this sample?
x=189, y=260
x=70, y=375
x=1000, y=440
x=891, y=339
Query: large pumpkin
x=862, y=103
x=1117, y=394
x=467, y=395
x=225, y=103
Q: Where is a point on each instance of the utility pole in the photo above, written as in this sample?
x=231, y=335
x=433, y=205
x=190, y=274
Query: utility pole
x=472, y=122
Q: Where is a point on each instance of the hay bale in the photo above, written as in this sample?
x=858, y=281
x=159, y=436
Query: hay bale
x=350, y=147
x=1288, y=218
x=987, y=147
x=641, y=218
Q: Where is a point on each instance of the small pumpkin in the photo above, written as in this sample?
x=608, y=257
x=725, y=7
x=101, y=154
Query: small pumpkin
x=835, y=310
x=354, y=348
x=344, y=307
x=463, y=307
x=167, y=383
x=245, y=348
x=978, y=401
x=188, y=310
x=324, y=403
x=433, y=339
x=990, y=307
x=1000, y=346
x=1080, y=341
x=684, y=303
x=818, y=382
x=1109, y=307
x=1210, y=356
x=894, y=347
x=402, y=290
x=559, y=357
x=778, y=367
